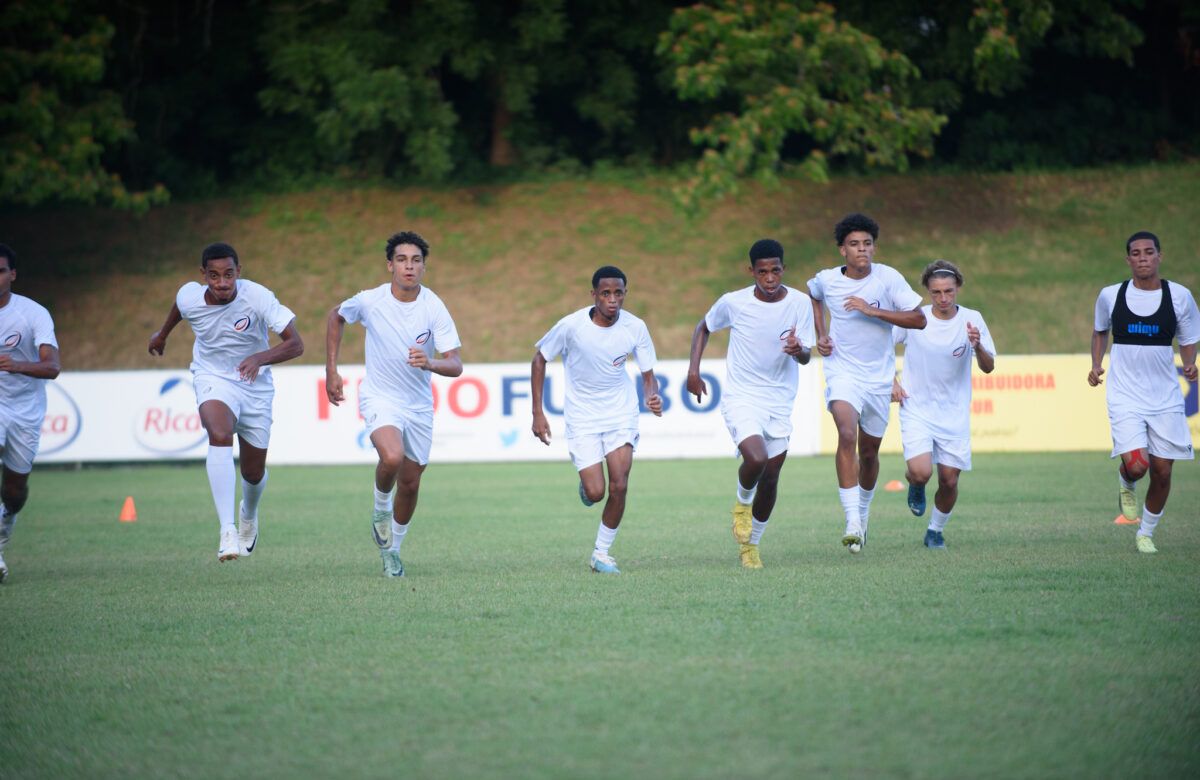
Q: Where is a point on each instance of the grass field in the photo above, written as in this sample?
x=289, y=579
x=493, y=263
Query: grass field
x=1041, y=644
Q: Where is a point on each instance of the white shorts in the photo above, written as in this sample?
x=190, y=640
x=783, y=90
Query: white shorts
x=1164, y=435
x=416, y=428
x=917, y=440
x=251, y=406
x=744, y=421
x=18, y=444
x=872, y=408
x=588, y=449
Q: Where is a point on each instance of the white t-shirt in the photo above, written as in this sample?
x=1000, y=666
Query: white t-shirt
x=937, y=371
x=392, y=328
x=24, y=327
x=862, y=345
x=226, y=334
x=757, y=370
x=601, y=395
x=1143, y=380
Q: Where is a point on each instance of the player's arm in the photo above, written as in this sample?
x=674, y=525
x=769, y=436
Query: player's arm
x=335, y=325
x=46, y=367
x=985, y=359
x=290, y=346
x=158, y=341
x=795, y=347
x=695, y=385
x=449, y=364
x=824, y=343
x=537, y=382
x=650, y=392
x=1188, y=353
x=1099, y=344
x=912, y=319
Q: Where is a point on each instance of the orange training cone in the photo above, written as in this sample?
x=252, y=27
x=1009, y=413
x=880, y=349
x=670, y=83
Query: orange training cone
x=128, y=513
x=894, y=485
x=1122, y=521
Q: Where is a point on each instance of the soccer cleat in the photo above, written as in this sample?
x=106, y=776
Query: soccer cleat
x=247, y=532
x=602, y=563
x=3, y=569
x=916, y=499
x=228, y=551
x=381, y=528
x=1127, y=500
x=934, y=540
x=1145, y=544
x=6, y=526
x=742, y=522
x=583, y=495
x=853, y=538
x=750, y=559
x=392, y=567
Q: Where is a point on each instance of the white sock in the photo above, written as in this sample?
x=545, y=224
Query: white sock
x=604, y=538
x=383, y=501
x=849, y=498
x=864, y=502
x=1149, y=521
x=398, y=532
x=252, y=494
x=221, y=480
x=756, y=530
x=745, y=496
x=937, y=519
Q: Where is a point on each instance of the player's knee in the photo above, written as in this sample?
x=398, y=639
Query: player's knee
x=948, y=483
x=408, y=486
x=847, y=437
x=919, y=476
x=617, y=486
x=391, y=461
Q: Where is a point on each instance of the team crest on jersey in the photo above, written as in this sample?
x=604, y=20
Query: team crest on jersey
x=12, y=340
x=242, y=324
x=960, y=350
x=783, y=334
x=423, y=337
x=620, y=361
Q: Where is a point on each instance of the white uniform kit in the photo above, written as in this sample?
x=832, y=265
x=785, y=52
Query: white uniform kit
x=601, y=409
x=395, y=393
x=936, y=416
x=24, y=327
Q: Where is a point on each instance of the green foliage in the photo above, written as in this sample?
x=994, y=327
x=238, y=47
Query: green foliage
x=788, y=69
x=57, y=120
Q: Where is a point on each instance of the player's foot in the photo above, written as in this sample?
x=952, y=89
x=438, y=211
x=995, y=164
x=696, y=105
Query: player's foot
x=602, y=563
x=1127, y=500
x=392, y=567
x=853, y=538
x=3, y=569
x=1145, y=544
x=916, y=499
x=583, y=495
x=228, y=551
x=742, y=522
x=750, y=559
x=934, y=540
x=247, y=532
x=381, y=527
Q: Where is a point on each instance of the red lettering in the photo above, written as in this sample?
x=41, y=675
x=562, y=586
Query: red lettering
x=322, y=401
x=55, y=424
x=481, y=397
x=1050, y=381
x=153, y=420
x=433, y=387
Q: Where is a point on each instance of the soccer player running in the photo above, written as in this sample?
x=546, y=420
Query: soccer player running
x=405, y=322
x=1145, y=405
x=28, y=357
x=601, y=409
x=769, y=325
x=934, y=392
x=231, y=377
x=864, y=300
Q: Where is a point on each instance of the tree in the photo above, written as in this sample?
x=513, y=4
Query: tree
x=782, y=69
x=57, y=121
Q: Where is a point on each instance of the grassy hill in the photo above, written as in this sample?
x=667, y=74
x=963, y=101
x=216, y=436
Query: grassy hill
x=510, y=260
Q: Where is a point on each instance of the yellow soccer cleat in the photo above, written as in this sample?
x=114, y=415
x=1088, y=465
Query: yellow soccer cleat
x=1146, y=544
x=750, y=559
x=1127, y=499
x=741, y=522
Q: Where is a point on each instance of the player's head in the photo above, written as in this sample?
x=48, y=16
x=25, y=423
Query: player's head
x=608, y=272
x=8, y=274
x=855, y=223
x=766, y=267
x=765, y=248
x=406, y=237
x=217, y=251
x=942, y=279
x=608, y=292
x=941, y=269
x=1142, y=235
x=7, y=253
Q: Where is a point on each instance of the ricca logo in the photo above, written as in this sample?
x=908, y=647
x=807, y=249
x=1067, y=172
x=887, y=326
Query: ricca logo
x=63, y=420
x=169, y=423
x=12, y=340
x=620, y=361
x=242, y=324
x=421, y=339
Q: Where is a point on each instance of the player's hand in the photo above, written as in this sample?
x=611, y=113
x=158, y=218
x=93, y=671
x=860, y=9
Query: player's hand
x=6, y=363
x=898, y=394
x=654, y=404
x=248, y=368
x=825, y=346
x=973, y=335
x=541, y=428
x=854, y=303
x=792, y=345
x=1190, y=373
x=417, y=358
x=695, y=386
x=158, y=343
x=1094, y=376
x=334, y=388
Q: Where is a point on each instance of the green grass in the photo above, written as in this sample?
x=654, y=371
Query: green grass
x=1041, y=644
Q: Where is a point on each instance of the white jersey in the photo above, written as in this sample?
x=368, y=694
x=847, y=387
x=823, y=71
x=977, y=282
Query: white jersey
x=601, y=396
x=862, y=345
x=1143, y=380
x=24, y=327
x=227, y=334
x=757, y=370
x=393, y=327
x=937, y=371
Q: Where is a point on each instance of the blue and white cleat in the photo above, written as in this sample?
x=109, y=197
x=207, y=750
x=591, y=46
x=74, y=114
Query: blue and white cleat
x=381, y=528
x=392, y=567
x=916, y=499
x=934, y=540
x=583, y=495
x=603, y=564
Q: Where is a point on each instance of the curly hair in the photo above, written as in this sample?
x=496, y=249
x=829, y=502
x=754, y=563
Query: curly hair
x=855, y=222
x=407, y=237
x=941, y=267
x=216, y=252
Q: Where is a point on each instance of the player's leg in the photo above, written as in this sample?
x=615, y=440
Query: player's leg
x=753, y=450
x=220, y=421
x=619, y=463
x=918, y=472
x=591, y=484
x=1134, y=465
x=14, y=491
x=845, y=420
x=943, y=504
x=253, y=462
x=872, y=424
x=764, y=501
x=1156, y=501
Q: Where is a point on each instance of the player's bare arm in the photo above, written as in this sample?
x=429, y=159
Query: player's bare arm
x=795, y=347
x=46, y=367
x=824, y=343
x=695, y=385
x=913, y=319
x=449, y=364
x=291, y=346
x=983, y=358
x=1188, y=353
x=335, y=325
x=158, y=341
x=1099, y=345
x=537, y=381
x=650, y=392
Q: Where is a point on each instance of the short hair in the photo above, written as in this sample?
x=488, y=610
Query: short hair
x=1138, y=236
x=939, y=268
x=608, y=272
x=7, y=251
x=216, y=252
x=852, y=223
x=407, y=237
x=765, y=248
